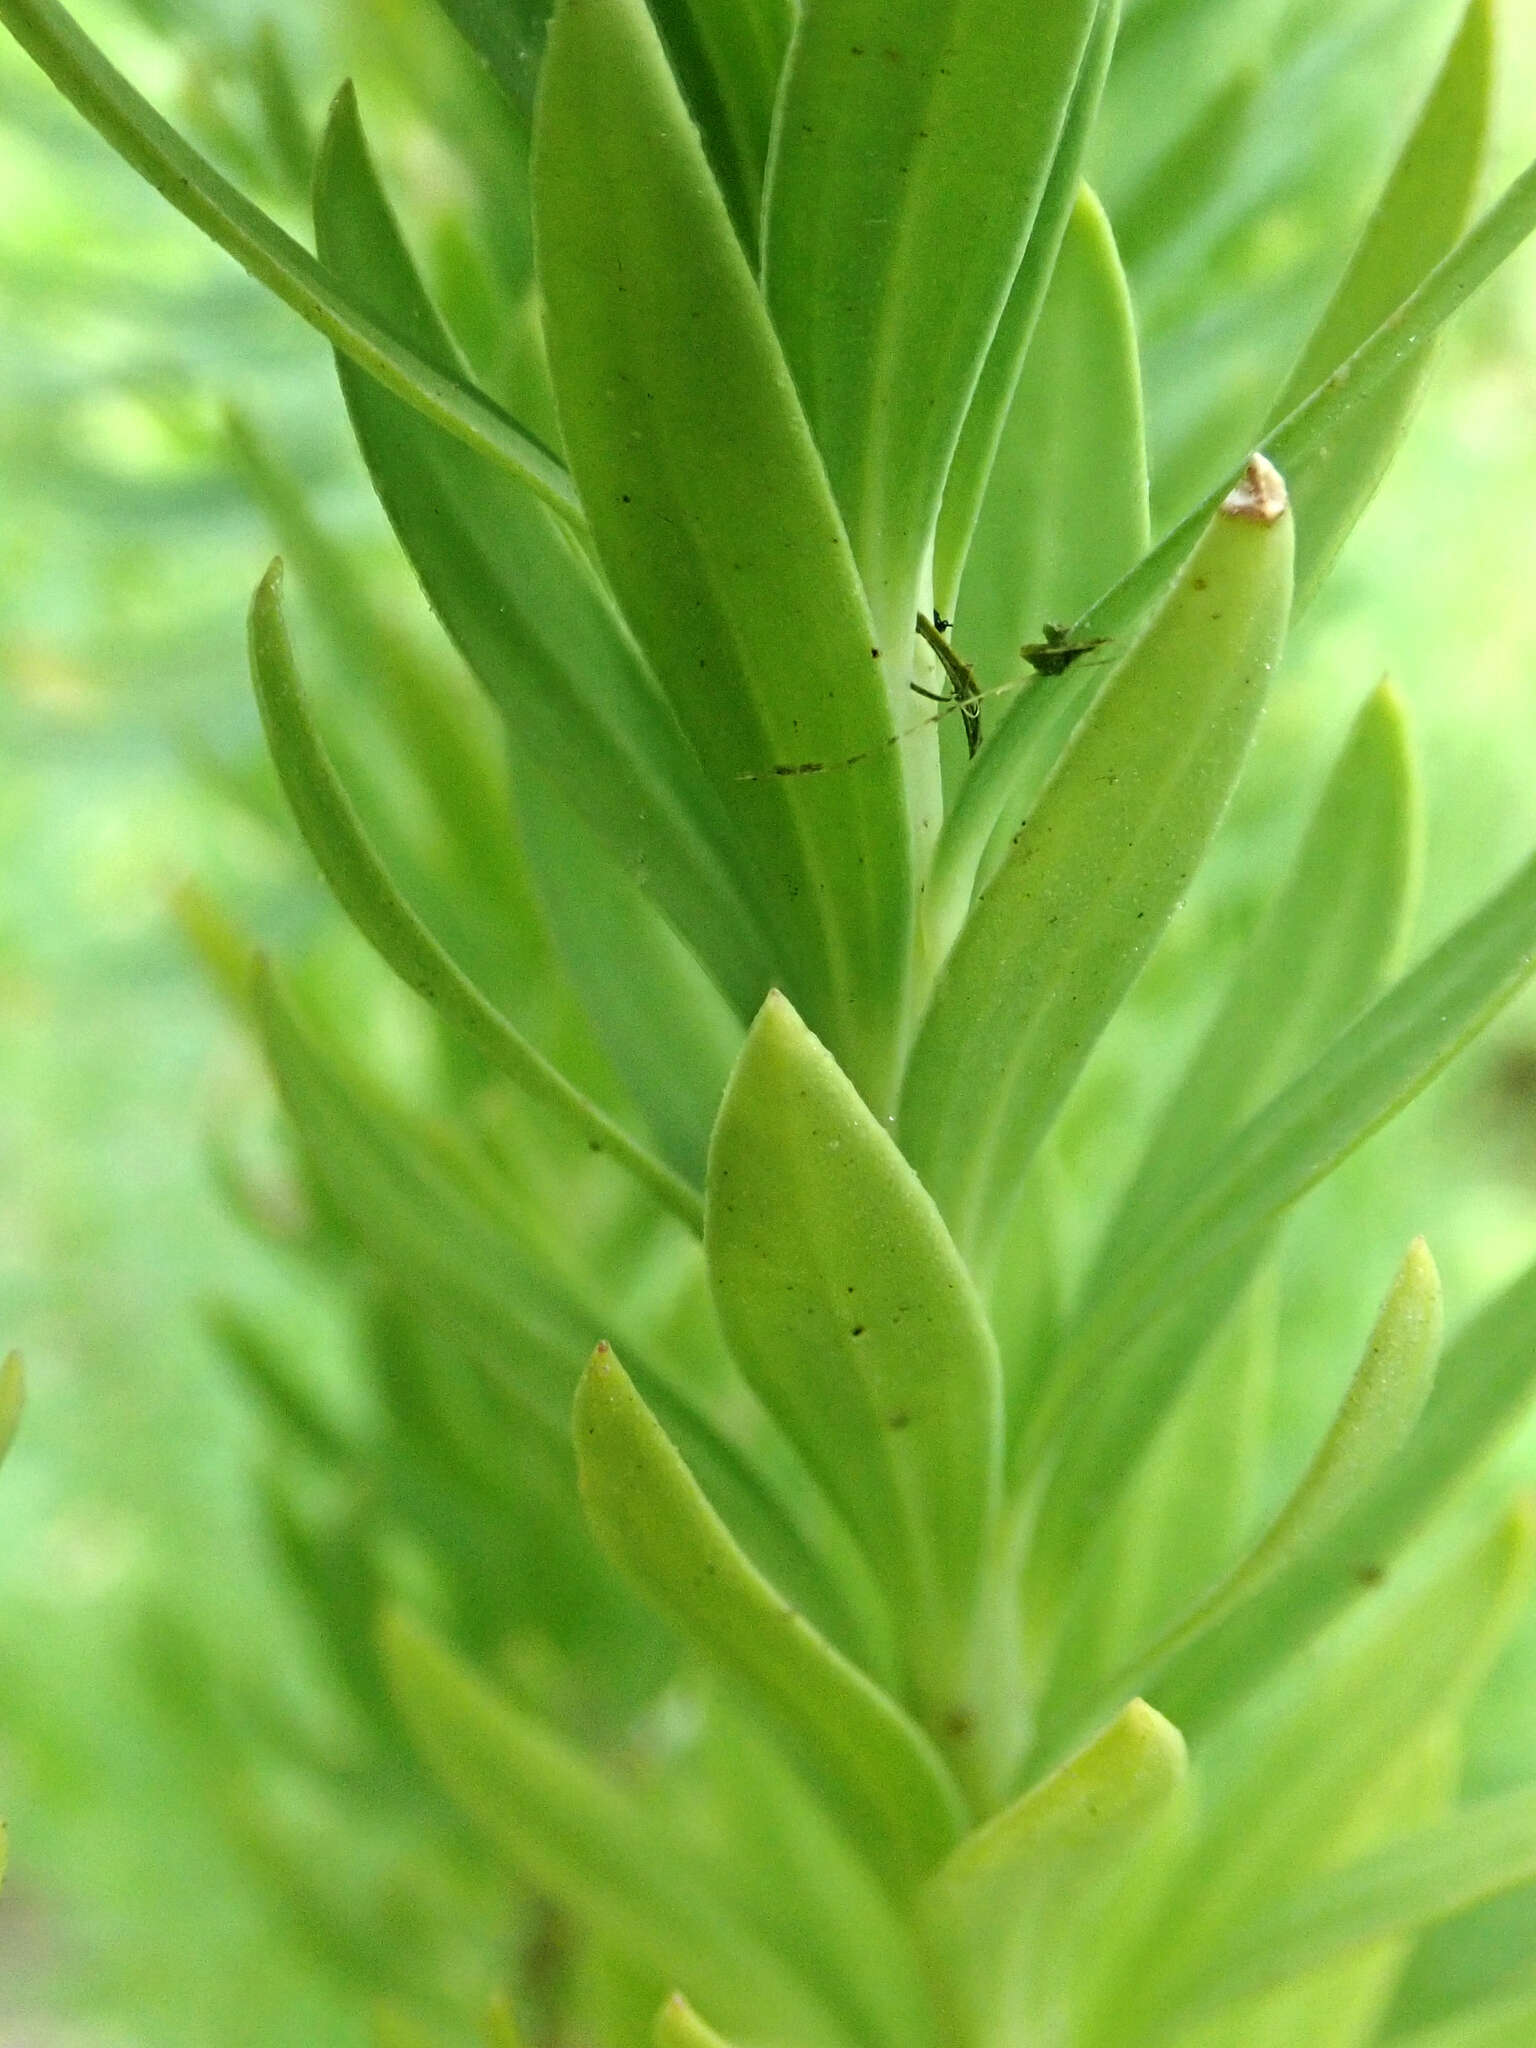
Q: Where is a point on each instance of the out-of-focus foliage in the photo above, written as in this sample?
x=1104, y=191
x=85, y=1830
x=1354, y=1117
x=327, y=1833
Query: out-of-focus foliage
x=217, y=1835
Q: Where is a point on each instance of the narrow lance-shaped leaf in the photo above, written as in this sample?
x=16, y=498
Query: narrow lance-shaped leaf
x=712, y=517
x=191, y=184
x=1087, y=1808
x=1066, y=505
x=1370, y=1072
x=912, y=147
x=970, y=472
x=508, y=38
x=1061, y=932
x=335, y=836
x=1303, y=437
x=1023, y=1913
x=1381, y=1406
x=1426, y=205
x=729, y=57
x=851, y=1315
x=466, y=1250
x=603, y=1855
x=630, y=970
x=1323, y=949
x=1065, y=512
x=1331, y=1765
x=1475, y=1854
x=1486, y=1383
x=527, y=612
x=1334, y=933
x=651, y=1518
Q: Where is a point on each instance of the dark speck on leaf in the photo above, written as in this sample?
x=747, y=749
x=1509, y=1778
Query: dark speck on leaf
x=1370, y=1574
x=857, y=1330
x=900, y=1419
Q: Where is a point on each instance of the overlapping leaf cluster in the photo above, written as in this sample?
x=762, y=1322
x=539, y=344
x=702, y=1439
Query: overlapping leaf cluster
x=970, y=1695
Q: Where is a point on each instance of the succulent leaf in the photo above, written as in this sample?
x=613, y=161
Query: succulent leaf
x=526, y=611
x=603, y=1852
x=334, y=834
x=652, y=1519
x=711, y=515
x=851, y=1315
x=1370, y=1071
x=1060, y=933
x=729, y=60
x=1381, y=1406
x=912, y=149
x=997, y=389
x=1423, y=210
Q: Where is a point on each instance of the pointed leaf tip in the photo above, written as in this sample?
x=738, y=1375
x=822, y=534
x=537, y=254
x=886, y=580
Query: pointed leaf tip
x=653, y=1521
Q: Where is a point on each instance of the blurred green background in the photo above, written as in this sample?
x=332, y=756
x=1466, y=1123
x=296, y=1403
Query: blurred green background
x=129, y=763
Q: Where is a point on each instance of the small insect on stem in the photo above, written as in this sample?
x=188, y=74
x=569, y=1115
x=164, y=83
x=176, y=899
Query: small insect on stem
x=1055, y=653
x=962, y=679
x=1055, y=656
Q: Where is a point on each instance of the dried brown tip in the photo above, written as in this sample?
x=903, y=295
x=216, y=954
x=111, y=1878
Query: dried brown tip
x=1260, y=497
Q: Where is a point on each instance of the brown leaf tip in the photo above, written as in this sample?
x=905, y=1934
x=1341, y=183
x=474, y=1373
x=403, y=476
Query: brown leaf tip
x=1260, y=497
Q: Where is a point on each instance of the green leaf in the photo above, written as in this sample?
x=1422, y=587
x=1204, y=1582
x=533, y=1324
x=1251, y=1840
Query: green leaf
x=1331, y=939
x=1484, y=1385
x=712, y=517
x=1010, y=1907
x=1425, y=207
x=729, y=57
x=1066, y=506
x=1375, y=1067
x=1475, y=1854
x=1300, y=443
x=651, y=1518
x=1340, y=1754
x=912, y=148
x=475, y=1262
x=335, y=836
x=527, y=613
x=1060, y=933
x=12, y=1391
x=609, y=1859
x=851, y=1316
x=1064, y=514
x=191, y=184
x=1381, y=1406
x=508, y=38
x=679, y=2026
x=630, y=972
x=997, y=389
x=1085, y=1809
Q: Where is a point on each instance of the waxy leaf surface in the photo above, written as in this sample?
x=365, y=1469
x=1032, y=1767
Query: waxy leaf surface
x=851, y=1315
x=651, y=1517
x=711, y=513
x=1060, y=933
x=912, y=149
